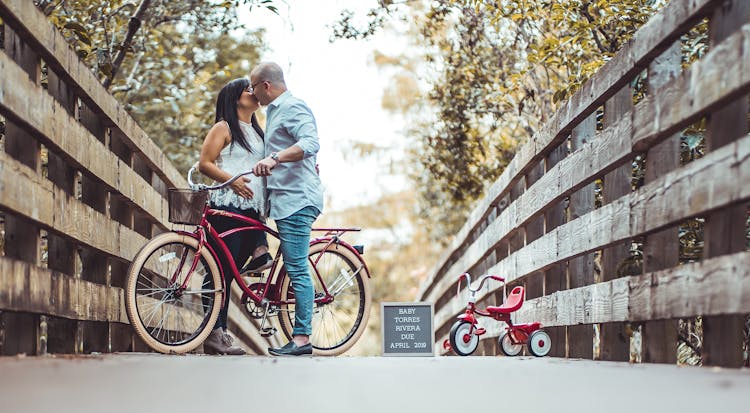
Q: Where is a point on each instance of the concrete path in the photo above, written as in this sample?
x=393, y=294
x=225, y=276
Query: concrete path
x=137, y=383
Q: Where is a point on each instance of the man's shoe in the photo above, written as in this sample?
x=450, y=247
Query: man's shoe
x=291, y=349
x=258, y=263
x=219, y=342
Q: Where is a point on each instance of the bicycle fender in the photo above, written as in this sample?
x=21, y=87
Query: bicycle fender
x=346, y=247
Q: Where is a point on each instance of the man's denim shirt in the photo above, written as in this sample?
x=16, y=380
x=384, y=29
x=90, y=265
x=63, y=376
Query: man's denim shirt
x=292, y=185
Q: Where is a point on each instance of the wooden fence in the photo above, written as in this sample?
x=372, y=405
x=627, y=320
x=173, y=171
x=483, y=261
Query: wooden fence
x=82, y=188
x=539, y=225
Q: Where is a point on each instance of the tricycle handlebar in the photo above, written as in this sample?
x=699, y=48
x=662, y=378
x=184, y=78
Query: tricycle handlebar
x=483, y=278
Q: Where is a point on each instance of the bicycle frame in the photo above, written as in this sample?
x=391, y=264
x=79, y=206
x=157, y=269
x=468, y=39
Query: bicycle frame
x=205, y=232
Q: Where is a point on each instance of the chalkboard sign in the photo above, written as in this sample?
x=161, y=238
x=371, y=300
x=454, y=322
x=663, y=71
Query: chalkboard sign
x=407, y=329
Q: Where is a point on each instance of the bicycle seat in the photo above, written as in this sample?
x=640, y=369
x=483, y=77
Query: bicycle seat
x=513, y=303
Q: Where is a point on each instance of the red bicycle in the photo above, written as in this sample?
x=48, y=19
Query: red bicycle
x=176, y=283
x=464, y=335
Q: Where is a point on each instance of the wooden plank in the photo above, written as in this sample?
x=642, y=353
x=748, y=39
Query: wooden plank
x=720, y=77
x=32, y=289
x=724, y=231
x=581, y=268
x=714, y=286
x=48, y=42
x=661, y=249
x=37, y=198
x=516, y=235
x=81, y=300
x=17, y=143
x=555, y=277
x=614, y=343
x=640, y=213
x=45, y=118
x=19, y=51
x=596, y=156
x=19, y=333
x=646, y=115
x=25, y=192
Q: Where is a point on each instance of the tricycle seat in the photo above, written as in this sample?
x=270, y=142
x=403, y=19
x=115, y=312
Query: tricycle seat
x=513, y=303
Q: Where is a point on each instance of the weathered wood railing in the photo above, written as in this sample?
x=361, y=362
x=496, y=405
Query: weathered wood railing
x=82, y=188
x=538, y=225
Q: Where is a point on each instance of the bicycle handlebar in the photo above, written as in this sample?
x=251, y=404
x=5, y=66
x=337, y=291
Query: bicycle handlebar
x=211, y=187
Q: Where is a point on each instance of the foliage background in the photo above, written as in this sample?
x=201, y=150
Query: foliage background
x=179, y=59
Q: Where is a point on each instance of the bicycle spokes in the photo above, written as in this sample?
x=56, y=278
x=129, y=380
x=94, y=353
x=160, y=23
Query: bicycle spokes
x=174, y=293
x=345, y=279
x=339, y=300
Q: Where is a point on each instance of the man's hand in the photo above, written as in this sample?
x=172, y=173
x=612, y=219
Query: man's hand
x=264, y=166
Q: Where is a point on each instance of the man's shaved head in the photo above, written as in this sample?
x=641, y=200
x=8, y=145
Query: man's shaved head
x=267, y=81
x=268, y=71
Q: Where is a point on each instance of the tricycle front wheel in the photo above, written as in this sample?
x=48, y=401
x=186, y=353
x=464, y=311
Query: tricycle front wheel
x=463, y=340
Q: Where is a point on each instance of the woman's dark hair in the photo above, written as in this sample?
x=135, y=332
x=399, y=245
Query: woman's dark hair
x=226, y=109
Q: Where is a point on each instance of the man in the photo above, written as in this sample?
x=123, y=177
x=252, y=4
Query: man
x=295, y=193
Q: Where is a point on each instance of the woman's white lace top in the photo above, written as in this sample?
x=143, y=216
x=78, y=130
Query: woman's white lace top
x=235, y=159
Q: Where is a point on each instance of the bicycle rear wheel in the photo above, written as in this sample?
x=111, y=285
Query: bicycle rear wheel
x=338, y=323
x=167, y=318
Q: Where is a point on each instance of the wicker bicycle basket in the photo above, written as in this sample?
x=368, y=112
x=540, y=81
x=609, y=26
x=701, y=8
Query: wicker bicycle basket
x=186, y=206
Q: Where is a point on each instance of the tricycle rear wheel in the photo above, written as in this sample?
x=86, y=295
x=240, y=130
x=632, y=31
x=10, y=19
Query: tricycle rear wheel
x=539, y=343
x=507, y=346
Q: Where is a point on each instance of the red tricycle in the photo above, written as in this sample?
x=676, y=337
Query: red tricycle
x=464, y=335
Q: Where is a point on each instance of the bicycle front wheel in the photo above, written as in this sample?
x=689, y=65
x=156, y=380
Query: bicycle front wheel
x=168, y=318
x=339, y=318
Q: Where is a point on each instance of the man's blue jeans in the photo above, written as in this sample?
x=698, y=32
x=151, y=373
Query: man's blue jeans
x=294, y=234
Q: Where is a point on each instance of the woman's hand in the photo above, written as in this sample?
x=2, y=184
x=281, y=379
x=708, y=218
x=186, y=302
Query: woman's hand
x=240, y=188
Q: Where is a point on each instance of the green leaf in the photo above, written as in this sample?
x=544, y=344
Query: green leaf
x=84, y=38
x=75, y=26
x=106, y=69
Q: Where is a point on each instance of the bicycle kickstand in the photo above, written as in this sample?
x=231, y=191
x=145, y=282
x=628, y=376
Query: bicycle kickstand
x=266, y=331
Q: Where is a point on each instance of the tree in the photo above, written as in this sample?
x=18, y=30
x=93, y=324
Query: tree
x=174, y=66
x=496, y=73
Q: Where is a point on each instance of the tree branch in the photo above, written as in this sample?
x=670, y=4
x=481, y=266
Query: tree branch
x=585, y=12
x=687, y=342
x=133, y=25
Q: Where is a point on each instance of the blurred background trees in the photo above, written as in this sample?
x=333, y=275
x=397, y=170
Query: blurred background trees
x=491, y=73
x=179, y=58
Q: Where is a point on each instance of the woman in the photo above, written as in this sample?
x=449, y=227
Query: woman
x=233, y=145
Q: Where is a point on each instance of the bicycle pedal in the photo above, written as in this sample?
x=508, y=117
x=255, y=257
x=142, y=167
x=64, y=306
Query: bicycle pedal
x=251, y=275
x=267, y=332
